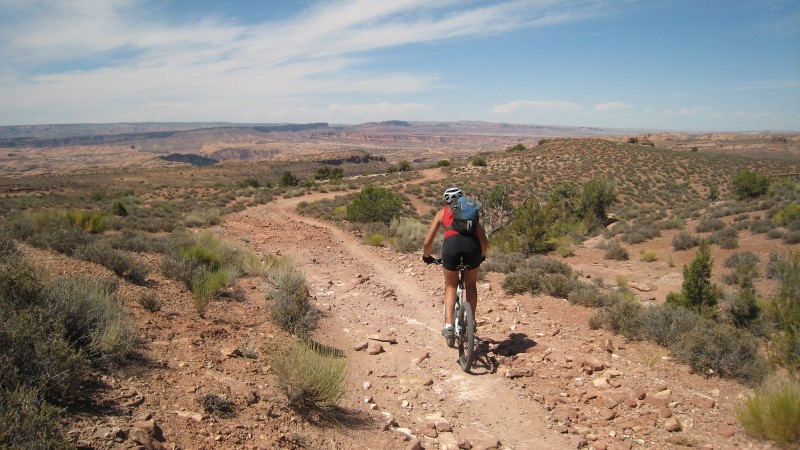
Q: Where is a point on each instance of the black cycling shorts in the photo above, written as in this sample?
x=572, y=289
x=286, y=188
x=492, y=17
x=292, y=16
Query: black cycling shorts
x=461, y=246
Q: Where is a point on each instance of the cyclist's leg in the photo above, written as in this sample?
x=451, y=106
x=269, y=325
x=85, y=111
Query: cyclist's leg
x=470, y=281
x=450, y=284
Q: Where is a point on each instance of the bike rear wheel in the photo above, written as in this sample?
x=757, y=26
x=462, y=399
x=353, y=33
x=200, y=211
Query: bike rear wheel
x=466, y=336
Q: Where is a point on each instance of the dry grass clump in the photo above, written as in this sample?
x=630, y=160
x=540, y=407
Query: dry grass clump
x=309, y=379
x=219, y=405
x=709, y=224
x=289, y=304
x=684, y=241
x=616, y=252
x=773, y=411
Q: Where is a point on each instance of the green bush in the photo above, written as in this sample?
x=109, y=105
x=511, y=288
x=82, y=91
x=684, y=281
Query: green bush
x=202, y=217
x=288, y=179
x=374, y=204
x=207, y=285
x=649, y=256
x=786, y=215
x=376, y=239
x=478, y=161
x=684, y=241
x=745, y=265
x=623, y=316
x=747, y=184
x=697, y=292
x=309, y=379
x=290, y=308
x=588, y=295
x=773, y=411
x=665, y=325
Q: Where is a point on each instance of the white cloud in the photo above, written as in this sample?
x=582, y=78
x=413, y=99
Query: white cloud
x=693, y=111
x=537, y=105
x=612, y=106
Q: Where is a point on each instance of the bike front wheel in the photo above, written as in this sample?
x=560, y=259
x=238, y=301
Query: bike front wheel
x=466, y=338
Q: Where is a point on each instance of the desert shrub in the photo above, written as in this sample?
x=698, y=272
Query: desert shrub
x=641, y=232
x=93, y=318
x=761, y=226
x=219, y=405
x=549, y=265
x=29, y=422
x=786, y=215
x=122, y=264
x=206, y=285
x=150, y=301
x=776, y=233
x=556, y=284
x=309, y=379
x=502, y=262
x=407, y=235
x=623, y=316
x=375, y=239
x=684, y=241
x=649, y=256
x=288, y=179
x=248, y=182
x=674, y=223
x=744, y=309
x=784, y=312
x=747, y=184
x=723, y=350
x=524, y=279
x=665, y=325
x=709, y=224
x=443, y=163
x=616, y=252
x=478, y=161
x=202, y=217
x=374, y=204
x=725, y=238
x=792, y=237
x=290, y=308
x=136, y=241
x=745, y=265
x=773, y=411
x=588, y=295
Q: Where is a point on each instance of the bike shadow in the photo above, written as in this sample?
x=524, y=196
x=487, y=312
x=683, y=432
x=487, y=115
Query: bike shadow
x=487, y=350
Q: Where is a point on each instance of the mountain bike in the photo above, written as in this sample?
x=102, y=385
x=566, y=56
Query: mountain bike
x=463, y=321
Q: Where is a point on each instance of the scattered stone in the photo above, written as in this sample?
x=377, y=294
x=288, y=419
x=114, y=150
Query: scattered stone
x=672, y=425
x=197, y=417
x=640, y=392
x=375, y=349
x=608, y=345
x=726, y=431
x=381, y=338
x=679, y=439
x=230, y=352
x=593, y=364
x=430, y=432
x=361, y=346
x=665, y=412
x=415, y=445
x=443, y=426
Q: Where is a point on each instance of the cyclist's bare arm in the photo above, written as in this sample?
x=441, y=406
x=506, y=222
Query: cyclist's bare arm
x=427, y=246
x=482, y=237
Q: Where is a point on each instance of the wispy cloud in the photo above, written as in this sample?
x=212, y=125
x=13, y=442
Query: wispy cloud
x=612, y=106
x=537, y=105
x=105, y=60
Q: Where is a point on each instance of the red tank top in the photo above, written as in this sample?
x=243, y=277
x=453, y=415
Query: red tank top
x=447, y=222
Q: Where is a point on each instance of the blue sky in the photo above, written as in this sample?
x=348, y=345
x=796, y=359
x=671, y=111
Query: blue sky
x=690, y=65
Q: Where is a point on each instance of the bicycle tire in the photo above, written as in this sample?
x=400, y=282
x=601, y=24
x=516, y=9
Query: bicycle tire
x=466, y=340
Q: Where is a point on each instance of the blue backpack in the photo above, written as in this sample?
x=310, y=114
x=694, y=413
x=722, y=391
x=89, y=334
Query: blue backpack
x=465, y=216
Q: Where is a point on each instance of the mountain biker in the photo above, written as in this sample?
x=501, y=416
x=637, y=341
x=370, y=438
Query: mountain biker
x=472, y=248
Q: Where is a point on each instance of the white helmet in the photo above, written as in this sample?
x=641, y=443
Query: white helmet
x=452, y=194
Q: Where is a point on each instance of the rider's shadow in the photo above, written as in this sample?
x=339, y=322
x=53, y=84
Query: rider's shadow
x=487, y=349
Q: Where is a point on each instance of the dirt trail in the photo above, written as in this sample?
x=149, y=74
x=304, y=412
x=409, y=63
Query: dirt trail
x=370, y=292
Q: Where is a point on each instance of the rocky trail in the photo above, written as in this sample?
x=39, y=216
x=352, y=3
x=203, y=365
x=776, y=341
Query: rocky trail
x=544, y=381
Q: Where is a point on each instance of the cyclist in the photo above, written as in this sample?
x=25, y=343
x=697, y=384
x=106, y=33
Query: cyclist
x=472, y=248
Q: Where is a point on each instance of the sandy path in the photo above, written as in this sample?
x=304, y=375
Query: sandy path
x=366, y=291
